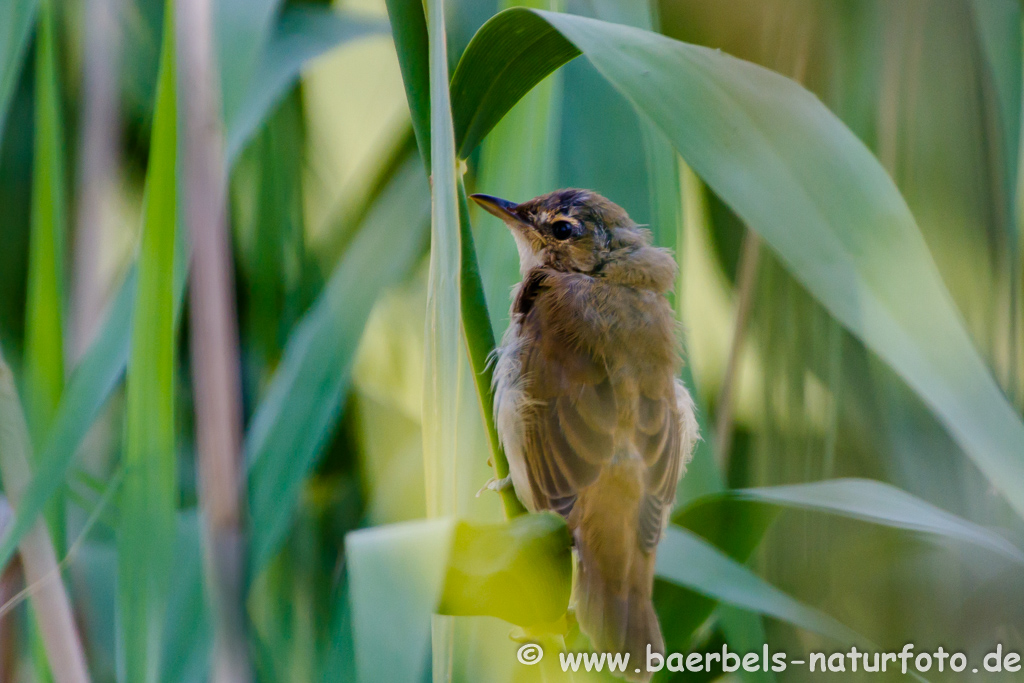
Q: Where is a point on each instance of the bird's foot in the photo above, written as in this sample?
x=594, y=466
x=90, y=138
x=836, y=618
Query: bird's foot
x=495, y=484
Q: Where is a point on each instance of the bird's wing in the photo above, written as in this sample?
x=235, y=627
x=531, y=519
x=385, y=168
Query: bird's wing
x=570, y=432
x=667, y=431
x=659, y=440
x=569, y=427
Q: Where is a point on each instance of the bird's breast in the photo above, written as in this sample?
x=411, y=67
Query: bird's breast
x=511, y=406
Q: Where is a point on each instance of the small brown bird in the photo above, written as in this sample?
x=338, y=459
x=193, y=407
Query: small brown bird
x=588, y=408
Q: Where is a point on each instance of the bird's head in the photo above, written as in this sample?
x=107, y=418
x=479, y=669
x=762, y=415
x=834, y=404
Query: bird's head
x=581, y=231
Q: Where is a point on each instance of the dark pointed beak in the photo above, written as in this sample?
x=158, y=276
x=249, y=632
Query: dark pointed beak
x=502, y=208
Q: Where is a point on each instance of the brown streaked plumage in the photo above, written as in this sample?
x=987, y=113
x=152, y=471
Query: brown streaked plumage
x=595, y=424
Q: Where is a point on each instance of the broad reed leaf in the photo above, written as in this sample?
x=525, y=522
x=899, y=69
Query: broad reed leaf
x=507, y=57
x=147, y=530
x=687, y=560
x=876, y=502
x=795, y=174
x=297, y=416
x=15, y=29
x=443, y=329
x=401, y=574
x=300, y=35
x=735, y=521
x=443, y=333
x=396, y=577
x=520, y=571
x=44, y=334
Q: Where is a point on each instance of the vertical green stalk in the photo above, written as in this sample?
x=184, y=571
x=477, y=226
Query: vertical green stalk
x=44, y=339
x=146, y=534
x=479, y=343
x=412, y=41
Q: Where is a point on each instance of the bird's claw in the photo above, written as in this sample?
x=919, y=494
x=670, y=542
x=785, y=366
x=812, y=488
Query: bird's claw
x=495, y=484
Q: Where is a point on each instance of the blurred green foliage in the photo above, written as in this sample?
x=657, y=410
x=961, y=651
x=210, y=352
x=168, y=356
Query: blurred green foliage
x=884, y=340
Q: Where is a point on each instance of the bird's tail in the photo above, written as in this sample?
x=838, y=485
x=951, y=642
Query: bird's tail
x=614, y=582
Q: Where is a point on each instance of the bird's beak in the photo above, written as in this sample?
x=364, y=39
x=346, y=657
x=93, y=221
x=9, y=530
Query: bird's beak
x=527, y=238
x=502, y=208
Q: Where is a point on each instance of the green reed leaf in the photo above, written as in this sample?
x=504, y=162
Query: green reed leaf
x=15, y=30
x=443, y=328
x=499, y=67
x=518, y=160
x=443, y=334
x=147, y=530
x=101, y=368
x=301, y=406
x=44, y=326
x=409, y=30
x=519, y=571
x=401, y=574
x=686, y=559
x=242, y=32
x=875, y=502
x=301, y=34
x=44, y=346
x=795, y=174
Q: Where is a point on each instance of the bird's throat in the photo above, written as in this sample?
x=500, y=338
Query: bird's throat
x=528, y=257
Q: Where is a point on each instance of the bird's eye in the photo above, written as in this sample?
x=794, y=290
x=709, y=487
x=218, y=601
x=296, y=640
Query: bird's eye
x=561, y=230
